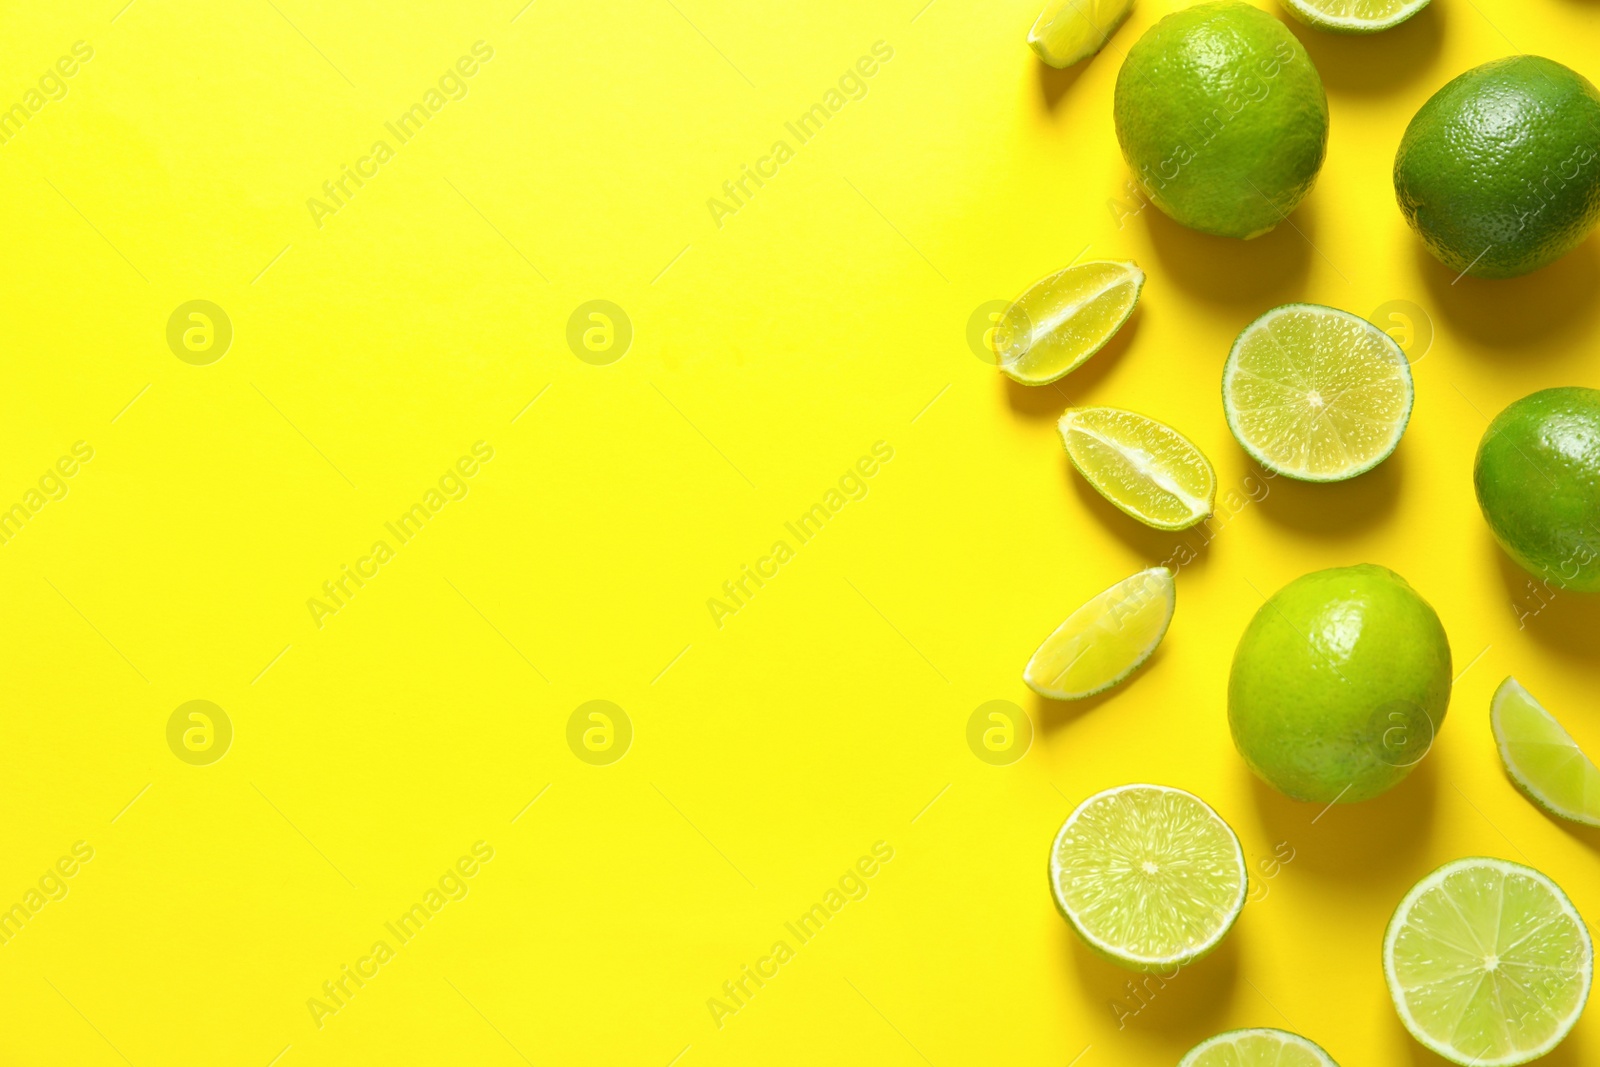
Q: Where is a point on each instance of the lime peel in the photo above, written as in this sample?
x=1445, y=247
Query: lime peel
x=1105, y=640
x=1067, y=31
x=1542, y=758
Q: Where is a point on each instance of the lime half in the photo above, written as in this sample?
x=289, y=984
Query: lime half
x=1144, y=467
x=1488, y=963
x=1315, y=393
x=1257, y=1048
x=1062, y=320
x=1149, y=876
x=1542, y=758
x=1106, y=640
x=1354, y=16
x=1069, y=30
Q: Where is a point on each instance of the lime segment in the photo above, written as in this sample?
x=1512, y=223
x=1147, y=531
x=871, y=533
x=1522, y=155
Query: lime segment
x=1062, y=320
x=1257, y=1048
x=1144, y=467
x=1069, y=30
x=1542, y=758
x=1149, y=876
x=1315, y=393
x=1106, y=640
x=1354, y=16
x=1488, y=963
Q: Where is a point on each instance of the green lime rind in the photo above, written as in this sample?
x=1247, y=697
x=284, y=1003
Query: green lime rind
x=1499, y=173
x=1562, y=906
x=1309, y=14
x=1065, y=33
x=1232, y=415
x=1197, y=1056
x=1166, y=587
x=1514, y=709
x=1534, y=475
x=1226, y=910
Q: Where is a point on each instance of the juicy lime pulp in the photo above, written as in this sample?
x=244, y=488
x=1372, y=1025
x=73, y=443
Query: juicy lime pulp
x=1542, y=758
x=1222, y=118
x=1315, y=393
x=1535, y=473
x=1149, y=876
x=1262, y=1047
x=1498, y=172
x=1146, y=468
x=1069, y=30
x=1106, y=640
x=1488, y=962
x=1062, y=320
x=1354, y=16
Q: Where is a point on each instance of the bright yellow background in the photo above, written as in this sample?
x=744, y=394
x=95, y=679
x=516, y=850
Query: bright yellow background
x=769, y=355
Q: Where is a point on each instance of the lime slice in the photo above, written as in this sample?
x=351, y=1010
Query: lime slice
x=1257, y=1048
x=1315, y=393
x=1062, y=320
x=1354, y=16
x=1149, y=876
x=1106, y=640
x=1542, y=758
x=1488, y=963
x=1069, y=30
x=1144, y=467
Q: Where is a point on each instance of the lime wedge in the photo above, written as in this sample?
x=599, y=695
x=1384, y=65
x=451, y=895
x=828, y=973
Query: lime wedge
x=1062, y=320
x=1542, y=758
x=1069, y=30
x=1149, y=876
x=1144, y=467
x=1257, y=1048
x=1106, y=640
x=1354, y=16
x=1315, y=393
x=1488, y=963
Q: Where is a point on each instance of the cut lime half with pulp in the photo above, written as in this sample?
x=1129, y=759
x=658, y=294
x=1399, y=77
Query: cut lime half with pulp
x=1062, y=320
x=1106, y=640
x=1315, y=393
x=1354, y=16
x=1144, y=467
x=1069, y=30
x=1263, y=1047
x=1542, y=758
x=1488, y=963
x=1149, y=876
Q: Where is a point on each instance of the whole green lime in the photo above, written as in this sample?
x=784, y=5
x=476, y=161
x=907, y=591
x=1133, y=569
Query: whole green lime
x=1499, y=173
x=1222, y=117
x=1339, y=684
x=1538, y=482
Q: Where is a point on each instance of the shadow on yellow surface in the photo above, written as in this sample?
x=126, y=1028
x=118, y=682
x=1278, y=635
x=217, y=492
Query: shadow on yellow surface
x=1367, y=844
x=1519, y=313
x=1376, y=64
x=1055, y=84
x=1563, y=621
x=1337, y=510
x=1248, y=276
x=1053, y=715
x=1194, y=1000
x=1154, y=547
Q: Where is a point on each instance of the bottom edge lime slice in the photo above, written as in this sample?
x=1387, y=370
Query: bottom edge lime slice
x=1488, y=963
x=1261, y=1047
